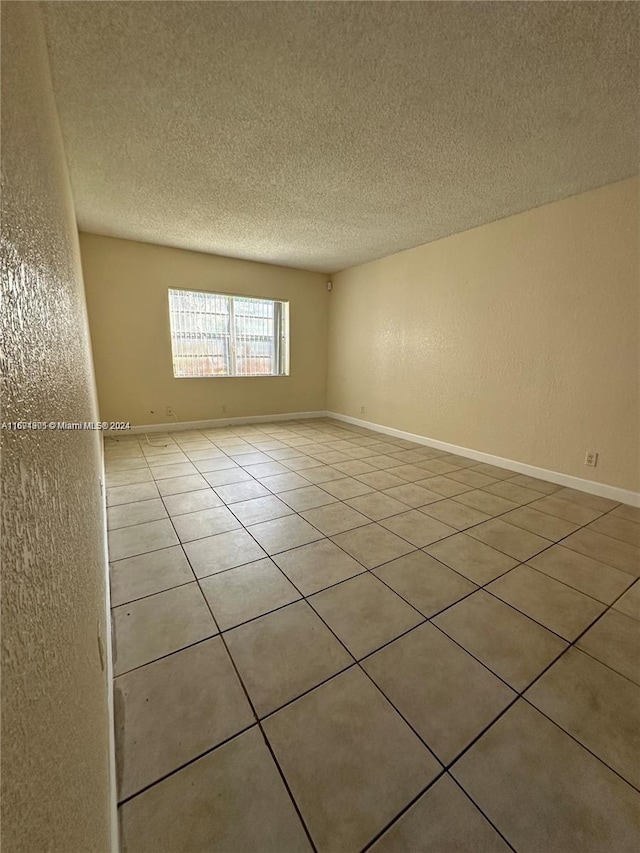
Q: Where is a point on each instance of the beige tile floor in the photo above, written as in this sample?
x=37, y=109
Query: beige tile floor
x=327, y=639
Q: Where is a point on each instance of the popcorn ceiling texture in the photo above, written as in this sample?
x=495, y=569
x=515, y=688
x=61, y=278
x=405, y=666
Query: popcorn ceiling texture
x=55, y=765
x=323, y=135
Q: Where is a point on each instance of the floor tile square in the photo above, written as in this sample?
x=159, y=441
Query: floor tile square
x=346, y=488
x=540, y=523
x=267, y=469
x=493, y=471
x=408, y=473
x=567, y=510
x=126, y=515
x=541, y=486
x=283, y=482
x=444, y=486
x=217, y=463
x=417, y=528
x=586, y=499
x=191, y=502
x=307, y=497
x=221, y=552
x=372, y=545
x=351, y=761
x=380, y=480
x=260, y=509
x=510, y=644
x=206, y=522
x=120, y=465
x=511, y=540
x=513, y=492
x=140, y=538
x=424, y=582
x=629, y=603
x=228, y=477
x=628, y=513
x=413, y=495
x=364, y=613
x=205, y=806
x=300, y=463
x=614, y=640
x=376, y=505
x=443, y=819
x=455, y=514
x=382, y=462
x=353, y=467
x=155, y=626
x=128, y=478
x=471, y=478
x=489, y=504
x=447, y=697
x=316, y=566
x=164, y=472
x=283, y=654
x=237, y=492
x=617, y=528
x=322, y=474
x=246, y=460
x=582, y=573
x=330, y=457
x=248, y=591
x=475, y=560
x=438, y=466
x=280, y=534
x=335, y=518
x=613, y=552
x=202, y=455
x=131, y=494
x=284, y=452
x=600, y=708
x=544, y=791
x=171, y=711
x=178, y=485
x=556, y=606
x=137, y=577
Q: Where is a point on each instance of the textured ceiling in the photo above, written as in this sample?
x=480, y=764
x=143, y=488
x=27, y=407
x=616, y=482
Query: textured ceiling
x=321, y=135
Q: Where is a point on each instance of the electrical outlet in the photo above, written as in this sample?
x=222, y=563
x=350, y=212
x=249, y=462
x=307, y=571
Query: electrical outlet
x=169, y=412
x=223, y=409
x=591, y=458
x=362, y=410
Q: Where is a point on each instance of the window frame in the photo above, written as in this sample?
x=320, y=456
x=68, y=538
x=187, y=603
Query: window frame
x=281, y=322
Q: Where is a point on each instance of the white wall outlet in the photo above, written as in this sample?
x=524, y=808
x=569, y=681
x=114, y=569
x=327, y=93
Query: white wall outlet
x=362, y=410
x=591, y=458
x=169, y=412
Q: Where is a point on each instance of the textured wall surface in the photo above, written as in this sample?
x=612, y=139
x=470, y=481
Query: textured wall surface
x=55, y=779
x=127, y=286
x=322, y=135
x=520, y=338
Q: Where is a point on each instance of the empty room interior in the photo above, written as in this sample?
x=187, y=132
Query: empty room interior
x=320, y=427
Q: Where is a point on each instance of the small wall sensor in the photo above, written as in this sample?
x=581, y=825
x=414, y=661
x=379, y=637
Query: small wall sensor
x=329, y=285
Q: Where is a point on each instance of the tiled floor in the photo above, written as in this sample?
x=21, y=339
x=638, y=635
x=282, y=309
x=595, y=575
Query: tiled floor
x=330, y=639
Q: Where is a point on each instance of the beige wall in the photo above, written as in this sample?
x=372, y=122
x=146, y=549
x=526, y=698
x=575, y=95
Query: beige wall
x=127, y=284
x=519, y=338
x=55, y=726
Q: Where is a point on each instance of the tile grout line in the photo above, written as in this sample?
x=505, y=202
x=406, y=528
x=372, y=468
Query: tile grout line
x=253, y=709
x=416, y=548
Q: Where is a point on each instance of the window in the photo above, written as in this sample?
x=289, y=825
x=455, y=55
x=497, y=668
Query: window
x=217, y=335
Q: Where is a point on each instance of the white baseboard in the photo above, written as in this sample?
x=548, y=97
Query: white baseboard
x=217, y=422
x=601, y=489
